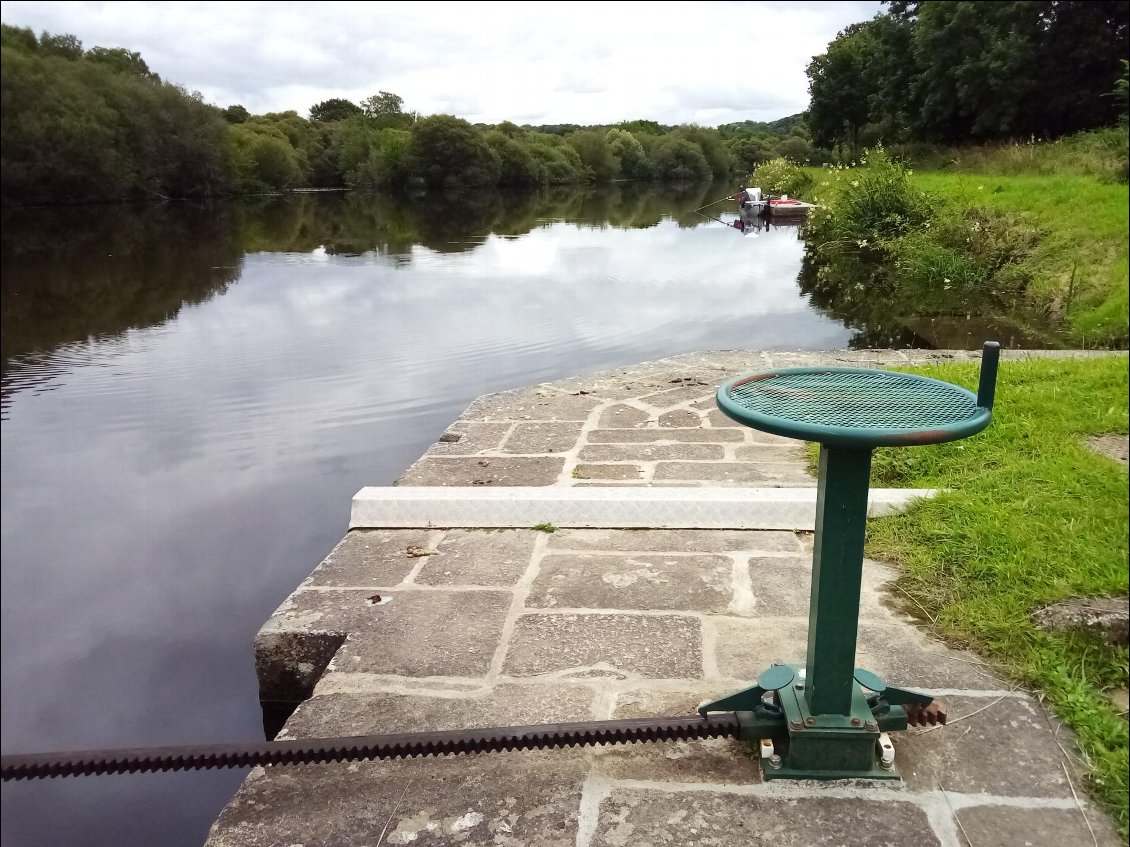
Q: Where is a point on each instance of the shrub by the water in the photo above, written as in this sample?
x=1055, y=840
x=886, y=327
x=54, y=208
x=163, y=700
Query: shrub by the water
x=877, y=240
x=780, y=176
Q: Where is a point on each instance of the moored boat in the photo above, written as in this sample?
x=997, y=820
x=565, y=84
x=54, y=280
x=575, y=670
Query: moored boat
x=751, y=201
x=787, y=207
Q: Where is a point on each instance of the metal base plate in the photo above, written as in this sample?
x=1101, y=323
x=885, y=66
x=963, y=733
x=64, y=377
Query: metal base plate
x=827, y=746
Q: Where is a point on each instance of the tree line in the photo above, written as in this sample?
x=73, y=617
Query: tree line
x=961, y=72
x=94, y=125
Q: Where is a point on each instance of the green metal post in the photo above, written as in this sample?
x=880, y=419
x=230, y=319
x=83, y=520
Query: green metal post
x=987, y=386
x=837, y=569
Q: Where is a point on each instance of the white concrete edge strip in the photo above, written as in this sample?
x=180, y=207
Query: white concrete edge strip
x=604, y=508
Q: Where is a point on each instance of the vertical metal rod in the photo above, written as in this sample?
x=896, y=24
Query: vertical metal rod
x=837, y=569
x=987, y=387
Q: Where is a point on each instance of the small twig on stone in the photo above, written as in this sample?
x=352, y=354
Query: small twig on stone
x=933, y=620
x=1055, y=737
x=1078, y=805
x=971, y=714
x=954, y=813
x=959, y=659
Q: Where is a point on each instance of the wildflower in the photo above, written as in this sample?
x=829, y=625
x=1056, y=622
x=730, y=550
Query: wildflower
x=862, y=243
x=980, y=188
x=855, y=183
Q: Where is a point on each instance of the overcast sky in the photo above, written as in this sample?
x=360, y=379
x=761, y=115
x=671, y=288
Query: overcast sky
x=541, y=62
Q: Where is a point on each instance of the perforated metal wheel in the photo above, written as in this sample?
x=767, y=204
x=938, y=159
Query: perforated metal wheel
x=853, y=407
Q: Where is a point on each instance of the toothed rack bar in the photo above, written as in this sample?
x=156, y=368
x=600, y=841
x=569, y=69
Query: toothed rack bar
x=362, y=748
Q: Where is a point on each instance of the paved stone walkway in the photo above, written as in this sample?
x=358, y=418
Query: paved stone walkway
x=445, y=629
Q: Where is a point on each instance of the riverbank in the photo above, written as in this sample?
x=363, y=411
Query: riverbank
x=422, y=627
x=1046, y=249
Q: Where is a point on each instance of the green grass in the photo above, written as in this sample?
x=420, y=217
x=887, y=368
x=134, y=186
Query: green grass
x=1033, y=517
x=1084, y=225
x=544, y=527
x=1079, y=268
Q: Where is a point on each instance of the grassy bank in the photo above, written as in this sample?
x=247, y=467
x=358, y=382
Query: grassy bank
x=1046, y=247
x=1079, y=266
x=1034, y=516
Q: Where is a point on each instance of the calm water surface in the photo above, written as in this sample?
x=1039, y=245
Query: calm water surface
x=191, y=395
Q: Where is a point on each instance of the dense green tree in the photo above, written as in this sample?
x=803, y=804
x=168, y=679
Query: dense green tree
x=236, y=114
x=447, y=152
x=600, y=163
x=517, y=165
x=713, y=148
x=63, y=46
x=76, y=130
x=841, y=88
x=263, y=158
x=18, y=38
x=1089, y=41
x=747, y=153
x=795, y=149
x=1121, y=93
x=678, y=160
x=121, y=60
x=976, y=63
x=627, y=149
x=956, y=71
x=643, y=127
x=334, y=109
x=554, y=164
x=382, y=103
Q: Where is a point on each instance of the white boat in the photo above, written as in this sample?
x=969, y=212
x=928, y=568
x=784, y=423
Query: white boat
x=751, y=201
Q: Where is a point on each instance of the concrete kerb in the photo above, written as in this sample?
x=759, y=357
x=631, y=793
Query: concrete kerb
x=596, y=508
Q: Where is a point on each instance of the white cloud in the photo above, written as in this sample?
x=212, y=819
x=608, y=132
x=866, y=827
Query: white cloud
x=707, y=62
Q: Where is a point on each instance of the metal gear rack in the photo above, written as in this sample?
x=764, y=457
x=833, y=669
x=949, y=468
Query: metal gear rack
x=825, y=720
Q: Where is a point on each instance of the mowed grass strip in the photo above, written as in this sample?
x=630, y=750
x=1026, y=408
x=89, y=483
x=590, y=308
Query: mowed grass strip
x=1034, y=516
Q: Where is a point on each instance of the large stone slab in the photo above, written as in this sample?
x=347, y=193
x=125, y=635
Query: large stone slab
x=370, y=557
x=463, y=438
x=426, y=633
x=676, y=540
x=536, y=470
x=693, y=390
x=607, y=471
x=370, y=713
x=625, y=646
x=770, y=453
x=782, y=587
x=631, y=816
x=1008, y=749
x=623, y=416
x=1008, y=826
x=528, y=798
x=649, y=452
x=542, y=438
x=479, y=557
x=532, y=404
x=737, y=473
x=698, y=583
x=680, y=417
x=644, y=436
x=710, y=760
